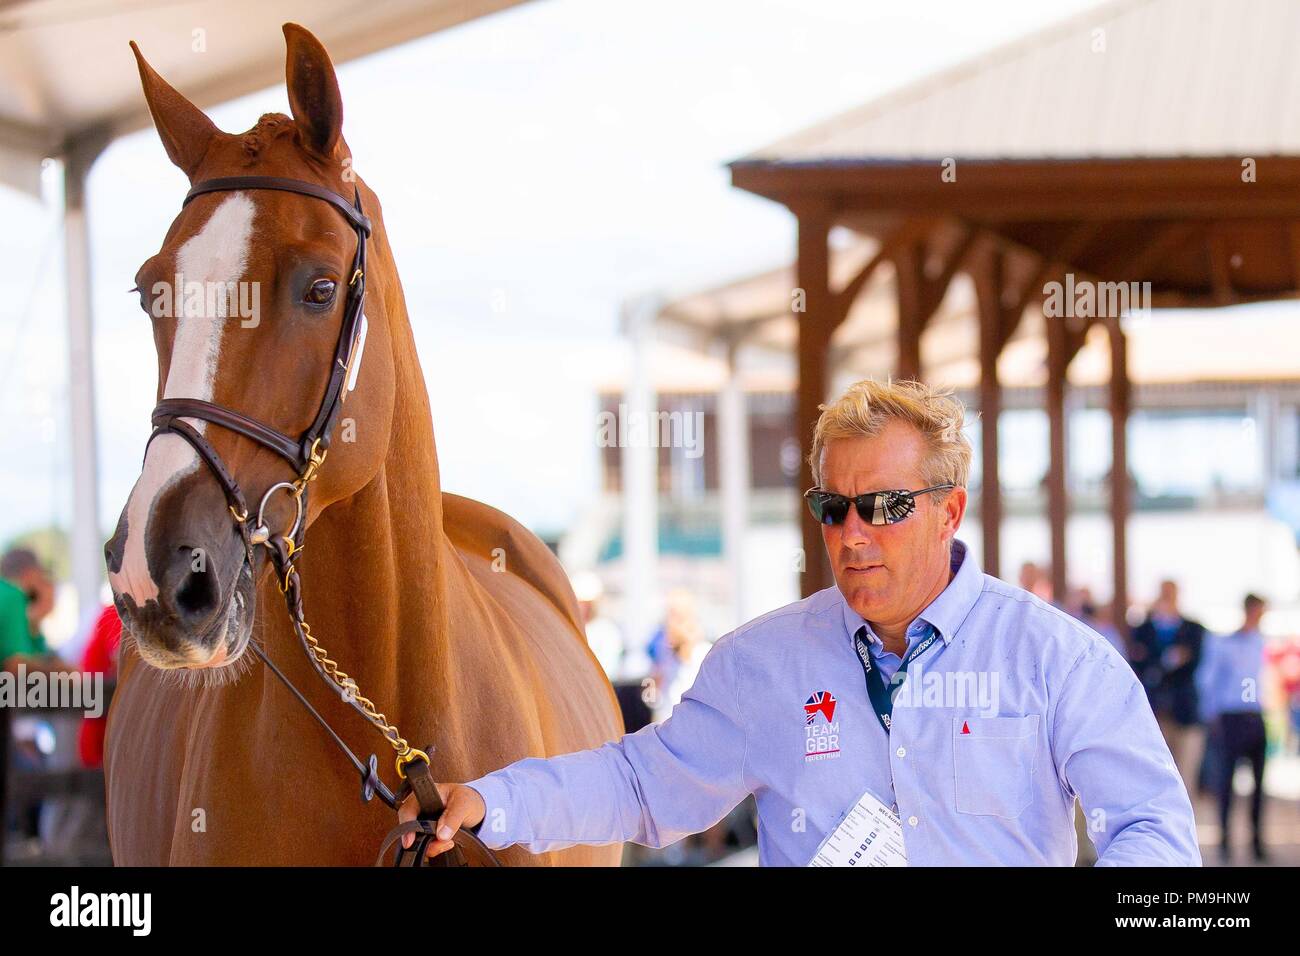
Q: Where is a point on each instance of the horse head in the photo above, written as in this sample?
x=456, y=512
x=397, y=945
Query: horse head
x=247, y=296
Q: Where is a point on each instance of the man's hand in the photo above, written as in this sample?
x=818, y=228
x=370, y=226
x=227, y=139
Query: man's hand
x=462, y=807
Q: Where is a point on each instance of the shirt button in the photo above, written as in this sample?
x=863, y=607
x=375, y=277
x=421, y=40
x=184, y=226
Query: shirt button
x=912, y=821
x=901, y=751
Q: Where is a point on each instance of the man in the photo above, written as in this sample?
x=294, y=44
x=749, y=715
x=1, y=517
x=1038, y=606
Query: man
x=1030, y=708
x=26, y=598
x=1166, y=653
x=1229, y=677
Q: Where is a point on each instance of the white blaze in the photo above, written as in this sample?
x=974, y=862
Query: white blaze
x=217, y=253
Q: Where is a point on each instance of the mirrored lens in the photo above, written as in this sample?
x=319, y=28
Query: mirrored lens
x=894, y=506
x=828, y=508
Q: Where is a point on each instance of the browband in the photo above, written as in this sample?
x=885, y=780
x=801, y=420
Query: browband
x=229, y=183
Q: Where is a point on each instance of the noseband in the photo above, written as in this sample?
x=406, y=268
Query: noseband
x=305, y=454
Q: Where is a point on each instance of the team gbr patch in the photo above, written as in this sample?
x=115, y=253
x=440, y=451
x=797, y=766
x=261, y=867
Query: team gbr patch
x=822, y=731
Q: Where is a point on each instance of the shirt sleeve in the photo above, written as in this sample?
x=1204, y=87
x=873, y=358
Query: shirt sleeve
x=652, y=787
x=1108, y=750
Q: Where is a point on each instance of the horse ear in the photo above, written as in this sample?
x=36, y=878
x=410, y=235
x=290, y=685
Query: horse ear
x=185, y=130
x=314, y=95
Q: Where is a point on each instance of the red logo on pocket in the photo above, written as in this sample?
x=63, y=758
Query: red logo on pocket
x=965, y=727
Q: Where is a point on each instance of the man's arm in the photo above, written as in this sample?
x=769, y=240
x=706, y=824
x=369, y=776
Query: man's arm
x=652, y=787
x=1108, y=750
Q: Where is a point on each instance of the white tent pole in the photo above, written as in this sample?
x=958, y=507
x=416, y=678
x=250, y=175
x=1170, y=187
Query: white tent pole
x=86, y=540
x=640, y=480
x=733, y=475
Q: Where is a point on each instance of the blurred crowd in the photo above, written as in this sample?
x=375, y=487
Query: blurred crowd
x=53, y=741
x=1223, y=701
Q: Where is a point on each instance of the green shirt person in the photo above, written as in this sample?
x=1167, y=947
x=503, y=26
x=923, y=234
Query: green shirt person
x=16, y=637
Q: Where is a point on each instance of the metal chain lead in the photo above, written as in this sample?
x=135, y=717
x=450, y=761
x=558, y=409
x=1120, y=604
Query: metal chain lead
x=326, y=666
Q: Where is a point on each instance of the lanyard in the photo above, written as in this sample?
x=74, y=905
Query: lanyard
x=882, y=700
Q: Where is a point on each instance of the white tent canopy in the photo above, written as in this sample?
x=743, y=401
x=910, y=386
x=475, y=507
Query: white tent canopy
x=67, y=74
x=69, y=86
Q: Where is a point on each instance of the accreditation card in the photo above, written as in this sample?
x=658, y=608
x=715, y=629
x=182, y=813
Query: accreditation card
x=870, y=834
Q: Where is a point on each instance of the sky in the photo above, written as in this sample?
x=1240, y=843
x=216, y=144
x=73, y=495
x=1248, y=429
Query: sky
x=537, y=168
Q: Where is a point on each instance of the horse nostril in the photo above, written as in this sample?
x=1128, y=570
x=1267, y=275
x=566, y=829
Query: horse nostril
x=197, y=594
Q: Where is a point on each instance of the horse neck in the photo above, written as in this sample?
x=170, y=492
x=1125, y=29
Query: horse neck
x=384, y=570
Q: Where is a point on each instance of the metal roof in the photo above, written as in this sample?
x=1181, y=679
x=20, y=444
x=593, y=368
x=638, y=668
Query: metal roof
x=1133, y=78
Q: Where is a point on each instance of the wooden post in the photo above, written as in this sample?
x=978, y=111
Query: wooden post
x=909, y=263
x=987, y=274
x=1057, y=500
x=733, y=476
x=1120, y=504
x=815, y=324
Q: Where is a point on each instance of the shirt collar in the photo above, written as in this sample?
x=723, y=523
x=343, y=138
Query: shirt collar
x=946, y=612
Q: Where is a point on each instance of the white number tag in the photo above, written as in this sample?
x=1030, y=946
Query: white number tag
x=870, y=834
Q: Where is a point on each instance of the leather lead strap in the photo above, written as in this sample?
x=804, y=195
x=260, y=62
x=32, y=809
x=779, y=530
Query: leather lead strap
x=369, y=775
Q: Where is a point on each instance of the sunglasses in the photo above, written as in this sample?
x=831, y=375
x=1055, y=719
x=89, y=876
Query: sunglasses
x=874, y=507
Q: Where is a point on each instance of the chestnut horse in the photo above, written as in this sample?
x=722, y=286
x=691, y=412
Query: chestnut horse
x=456, y=621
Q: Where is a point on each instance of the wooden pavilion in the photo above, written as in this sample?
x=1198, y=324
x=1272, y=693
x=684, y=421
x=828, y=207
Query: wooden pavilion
x=1149, y=141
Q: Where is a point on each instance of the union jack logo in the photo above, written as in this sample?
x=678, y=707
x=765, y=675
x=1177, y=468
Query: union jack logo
x=822, y=702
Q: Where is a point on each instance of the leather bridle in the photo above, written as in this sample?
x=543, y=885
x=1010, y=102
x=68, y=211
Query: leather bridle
x=305, y=454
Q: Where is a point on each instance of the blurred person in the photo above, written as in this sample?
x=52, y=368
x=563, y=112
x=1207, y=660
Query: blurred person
x=1229, y=678
x=686, y=649
x=21, y=567
x=960, y=784
x=604, y=637
x=26, y=598
x=1100, y=618
x=1166, y=653
x=16, y=639
x=100, y=658
x=1036, y=580
x=680, y=629
x=1284, y=658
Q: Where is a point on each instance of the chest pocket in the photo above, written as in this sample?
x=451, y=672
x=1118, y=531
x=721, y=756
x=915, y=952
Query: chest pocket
x=993, y=763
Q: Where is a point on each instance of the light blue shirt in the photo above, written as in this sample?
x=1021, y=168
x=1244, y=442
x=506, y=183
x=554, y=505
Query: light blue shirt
x=1228, y=675
x=1000, y=725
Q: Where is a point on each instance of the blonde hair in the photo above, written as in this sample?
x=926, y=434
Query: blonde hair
x=867, y=406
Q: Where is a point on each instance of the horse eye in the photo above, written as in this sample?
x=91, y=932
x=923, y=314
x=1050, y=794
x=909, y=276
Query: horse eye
x=321, y=292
